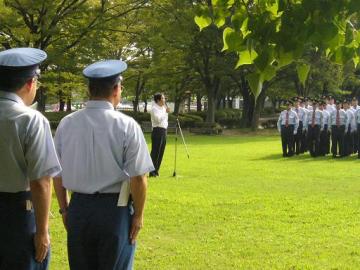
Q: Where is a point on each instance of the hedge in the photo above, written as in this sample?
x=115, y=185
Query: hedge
x=228, y=118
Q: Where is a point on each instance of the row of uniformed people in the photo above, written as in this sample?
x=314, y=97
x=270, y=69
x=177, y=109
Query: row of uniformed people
x=308, y=127
x=99, y=154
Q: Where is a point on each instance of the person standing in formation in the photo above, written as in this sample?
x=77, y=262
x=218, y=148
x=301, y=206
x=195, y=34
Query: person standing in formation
x=325, y=133
x=287, y=125
x=349, y=129
x=314, y=125
x=299, y=135
x=338, y=119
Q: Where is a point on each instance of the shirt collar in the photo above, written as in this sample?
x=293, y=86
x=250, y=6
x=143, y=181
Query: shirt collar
x=99, y=104
x=11, y=96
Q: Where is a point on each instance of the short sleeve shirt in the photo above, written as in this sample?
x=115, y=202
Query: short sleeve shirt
x=99, y=148
x=27, y=150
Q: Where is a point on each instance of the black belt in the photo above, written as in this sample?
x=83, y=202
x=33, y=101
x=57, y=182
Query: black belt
x=16, y=196
x=95, y=195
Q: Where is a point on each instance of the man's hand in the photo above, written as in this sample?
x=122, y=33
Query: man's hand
x=138, y=186
x=167, y=109
x=136, y=225
x=42, y=244
x=64, y=218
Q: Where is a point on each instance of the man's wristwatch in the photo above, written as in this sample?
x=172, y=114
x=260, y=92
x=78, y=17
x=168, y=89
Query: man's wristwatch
x=63, y=210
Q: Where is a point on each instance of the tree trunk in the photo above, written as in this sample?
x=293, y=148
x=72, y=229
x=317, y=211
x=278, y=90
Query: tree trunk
x=258, y=107
x=177, y=106
x=68, y=104
x=198, y=103
x=145, y=106
x=61, y=105
x=210, y=115
x=138, y=90
x=40, y=98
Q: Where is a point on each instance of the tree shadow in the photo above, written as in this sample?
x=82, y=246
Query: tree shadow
x=307, y=158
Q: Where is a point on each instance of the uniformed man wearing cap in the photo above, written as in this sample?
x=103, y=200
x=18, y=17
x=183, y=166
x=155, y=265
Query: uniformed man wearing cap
x=350, y=128
x=325, y=133
x=314, y=125
x=104, y=157
x=303, y=148
x=27, y=162
x=338, y=119
x=302, y=119
x=287, y=125
x=357, y=120
x=354, y=107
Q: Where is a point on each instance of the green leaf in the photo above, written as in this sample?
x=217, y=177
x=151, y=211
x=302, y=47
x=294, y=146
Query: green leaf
x=255, y=81
x=269, y=73
x=356, y=60
x=273, y=9
x=220, y=21
x=202, y=21
x=303, y=72
x=264, y=59
x=285, y=58
x=246, y=57
x=244, y=28
x=232, y=40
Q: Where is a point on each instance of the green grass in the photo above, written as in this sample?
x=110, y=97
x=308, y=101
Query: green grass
x=237, y=204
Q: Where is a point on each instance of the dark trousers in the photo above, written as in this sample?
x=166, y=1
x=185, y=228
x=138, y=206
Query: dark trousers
x=348, y=143
x=303, y=147
x=158, y=143
x=358, y=139
x=287, y=140
x=298, y=139
x=337, y=140
x=313, y=138
x=98, y=233
x=17, y=228
x=324, y=141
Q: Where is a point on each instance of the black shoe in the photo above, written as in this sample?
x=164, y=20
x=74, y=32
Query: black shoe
x=152, y=174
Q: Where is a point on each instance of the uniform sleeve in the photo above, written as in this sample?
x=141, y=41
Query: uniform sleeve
x=40, y=153
x=279, y=123
x=57, y=142
x=296, y=123
x=305, y=124
x=137, y=160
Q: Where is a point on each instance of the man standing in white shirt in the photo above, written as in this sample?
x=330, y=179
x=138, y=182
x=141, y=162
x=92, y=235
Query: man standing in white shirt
x=159, y=120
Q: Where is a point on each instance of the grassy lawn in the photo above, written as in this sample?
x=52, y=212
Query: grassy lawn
x=237, y=204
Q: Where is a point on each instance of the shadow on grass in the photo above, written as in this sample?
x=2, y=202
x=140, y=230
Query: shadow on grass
x=307, y=158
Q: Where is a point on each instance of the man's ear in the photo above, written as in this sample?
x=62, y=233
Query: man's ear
x=117, y=90
x=29, y=84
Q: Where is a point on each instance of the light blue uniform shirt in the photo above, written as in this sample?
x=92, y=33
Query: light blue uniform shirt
x=342, y=117
x=27, y=150
x=318, y=120
x=357, y=116
x=301, y=114
x=326, y=119
x=99, y=148
x=293, y=120
x=350, y=120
